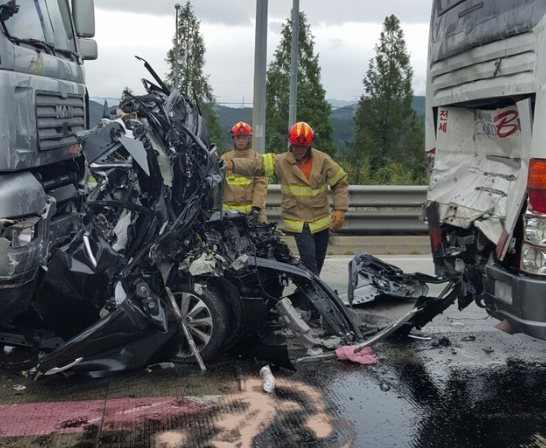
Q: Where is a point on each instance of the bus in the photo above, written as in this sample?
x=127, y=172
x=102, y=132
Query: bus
x=485, y=132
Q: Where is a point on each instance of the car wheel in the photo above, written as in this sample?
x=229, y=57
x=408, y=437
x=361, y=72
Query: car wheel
x=207, y=317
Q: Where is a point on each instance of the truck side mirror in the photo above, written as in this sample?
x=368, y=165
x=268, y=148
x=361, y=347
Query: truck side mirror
x=88, y=49
x=83, y=12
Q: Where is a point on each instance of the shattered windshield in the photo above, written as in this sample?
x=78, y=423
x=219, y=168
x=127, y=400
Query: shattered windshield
x=44, y=21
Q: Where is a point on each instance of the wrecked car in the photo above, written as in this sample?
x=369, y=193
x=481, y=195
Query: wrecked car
x=156, y=269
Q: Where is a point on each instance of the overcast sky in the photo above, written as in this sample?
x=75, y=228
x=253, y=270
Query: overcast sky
x=345, y=33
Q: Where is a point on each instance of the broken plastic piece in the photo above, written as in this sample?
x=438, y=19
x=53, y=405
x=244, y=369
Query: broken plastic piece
x=268, y=380
x=162, y=365
x=295, y=322
x=55, y=370
x=370, y=277
x=389, y=329
x=314, y=351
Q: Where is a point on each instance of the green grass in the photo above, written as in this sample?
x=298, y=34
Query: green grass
x=416, y=252
x=329, y=253
x=348, y=252
x=390, y=252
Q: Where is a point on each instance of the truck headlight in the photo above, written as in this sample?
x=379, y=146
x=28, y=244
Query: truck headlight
x=21, y=233
x=535, y=230
x=533, y=259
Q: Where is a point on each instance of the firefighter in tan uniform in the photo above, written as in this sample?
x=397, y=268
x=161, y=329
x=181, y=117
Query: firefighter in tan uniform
x=305, y=174
x=241, y=193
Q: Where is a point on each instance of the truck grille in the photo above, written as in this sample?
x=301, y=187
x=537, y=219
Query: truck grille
x=58, y=119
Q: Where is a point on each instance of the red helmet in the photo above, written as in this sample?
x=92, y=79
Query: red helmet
x=241, y=128
x=301, y=134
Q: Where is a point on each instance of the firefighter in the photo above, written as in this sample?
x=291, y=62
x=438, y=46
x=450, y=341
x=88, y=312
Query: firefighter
x=241, y=193
x=304, y=173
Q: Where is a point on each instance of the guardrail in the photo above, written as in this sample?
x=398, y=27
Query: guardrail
x=374, y=209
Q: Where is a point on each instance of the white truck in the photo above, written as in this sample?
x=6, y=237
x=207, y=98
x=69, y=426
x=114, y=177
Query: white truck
x=485, y=110
x=44, y=103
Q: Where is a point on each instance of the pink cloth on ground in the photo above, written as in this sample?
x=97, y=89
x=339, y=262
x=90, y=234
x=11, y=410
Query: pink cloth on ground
x=364, y=356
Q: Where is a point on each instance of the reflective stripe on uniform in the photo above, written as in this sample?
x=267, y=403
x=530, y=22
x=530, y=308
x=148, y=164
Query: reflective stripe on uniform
x=302, y=190
x=292, y=226
x=239, y=180
x=320, y=224
x=339, y=175
x=314, y=227
x=269, y=169
x=240, y=208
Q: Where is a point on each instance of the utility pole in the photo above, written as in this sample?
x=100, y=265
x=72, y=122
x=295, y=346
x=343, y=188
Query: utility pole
x=292, y=109
x=260, y=61
x=177, y=38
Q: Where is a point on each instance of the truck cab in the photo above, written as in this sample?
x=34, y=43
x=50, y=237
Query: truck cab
x=44, y=102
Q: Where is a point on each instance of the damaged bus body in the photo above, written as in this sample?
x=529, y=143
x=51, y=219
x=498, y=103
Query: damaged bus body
x=44, y=104
x=486, y=203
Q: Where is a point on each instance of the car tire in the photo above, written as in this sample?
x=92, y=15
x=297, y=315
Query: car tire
x=207, y=317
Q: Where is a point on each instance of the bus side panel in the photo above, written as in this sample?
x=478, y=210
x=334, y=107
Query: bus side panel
x=473, y=23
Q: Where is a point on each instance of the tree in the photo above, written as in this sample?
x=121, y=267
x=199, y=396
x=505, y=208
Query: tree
x=388, y=133
x=312, y=106
x=192, y=82
x=126, y=94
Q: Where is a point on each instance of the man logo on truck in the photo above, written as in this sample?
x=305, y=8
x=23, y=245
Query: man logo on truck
x=64, y=111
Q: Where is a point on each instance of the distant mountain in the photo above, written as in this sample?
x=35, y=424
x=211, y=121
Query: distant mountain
x=341, y=118
x=345, y=109
x=95, y=112
x=419, y=105
x=340, y=103
x=111, y=101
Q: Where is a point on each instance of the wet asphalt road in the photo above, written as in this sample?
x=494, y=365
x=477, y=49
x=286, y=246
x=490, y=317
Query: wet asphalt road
x=462, y=384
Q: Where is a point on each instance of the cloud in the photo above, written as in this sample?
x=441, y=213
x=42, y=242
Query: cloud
x=345, y=33
x=241, y=12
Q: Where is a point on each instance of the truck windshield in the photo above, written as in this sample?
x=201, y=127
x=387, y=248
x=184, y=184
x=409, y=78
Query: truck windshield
x=44, y=21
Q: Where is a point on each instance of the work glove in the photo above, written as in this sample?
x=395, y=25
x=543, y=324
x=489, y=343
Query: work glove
x=338, y=218
x=229, y=165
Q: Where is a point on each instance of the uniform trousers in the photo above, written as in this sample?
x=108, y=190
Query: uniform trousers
x=312, y=248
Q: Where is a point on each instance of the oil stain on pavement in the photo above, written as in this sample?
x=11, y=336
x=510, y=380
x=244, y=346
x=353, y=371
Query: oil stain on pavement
x=419, y=394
